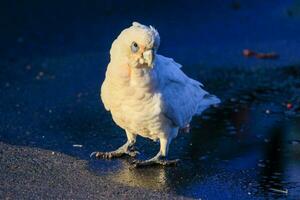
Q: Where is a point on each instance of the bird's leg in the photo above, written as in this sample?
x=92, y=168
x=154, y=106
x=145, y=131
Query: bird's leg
x=126, y=149
x=160, y=158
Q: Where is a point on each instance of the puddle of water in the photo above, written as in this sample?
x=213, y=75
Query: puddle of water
x=242, y=153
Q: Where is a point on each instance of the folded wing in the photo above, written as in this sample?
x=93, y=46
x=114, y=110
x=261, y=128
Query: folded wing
x=182, y=96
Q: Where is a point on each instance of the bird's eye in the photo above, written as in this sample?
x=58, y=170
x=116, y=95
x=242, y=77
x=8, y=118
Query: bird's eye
x=134, y=47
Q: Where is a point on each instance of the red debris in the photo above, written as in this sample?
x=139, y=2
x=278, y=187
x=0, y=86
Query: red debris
x=249, y=53
x=289, y=106
x=272, y=55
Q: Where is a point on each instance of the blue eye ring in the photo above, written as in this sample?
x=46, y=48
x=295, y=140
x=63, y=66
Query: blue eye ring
x=134, y=47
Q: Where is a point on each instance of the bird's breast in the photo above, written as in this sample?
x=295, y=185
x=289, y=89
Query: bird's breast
x=139, y=112
x=135, y=105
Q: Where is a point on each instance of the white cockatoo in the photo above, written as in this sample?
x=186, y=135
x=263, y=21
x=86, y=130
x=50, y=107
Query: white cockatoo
x=147, y=94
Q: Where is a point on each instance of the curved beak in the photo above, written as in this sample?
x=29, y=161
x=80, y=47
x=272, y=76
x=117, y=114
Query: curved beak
x=149, y=57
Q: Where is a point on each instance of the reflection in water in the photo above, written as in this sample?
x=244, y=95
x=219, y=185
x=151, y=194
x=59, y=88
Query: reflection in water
x=150, y=178
x=294, y=140
x=292, y=175
x=272, y=166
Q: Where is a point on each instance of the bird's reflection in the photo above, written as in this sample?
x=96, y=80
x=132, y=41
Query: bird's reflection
x=150, y=178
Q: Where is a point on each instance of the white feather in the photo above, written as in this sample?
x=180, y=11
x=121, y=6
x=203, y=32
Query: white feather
x=182, y=97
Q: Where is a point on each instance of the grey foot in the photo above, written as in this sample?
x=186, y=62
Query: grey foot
x=115, y=154
x=154, y=161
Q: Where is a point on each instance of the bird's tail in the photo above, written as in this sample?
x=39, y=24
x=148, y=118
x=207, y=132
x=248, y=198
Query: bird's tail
x=207, y=101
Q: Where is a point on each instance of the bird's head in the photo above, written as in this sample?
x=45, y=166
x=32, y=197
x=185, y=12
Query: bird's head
x=136, y=45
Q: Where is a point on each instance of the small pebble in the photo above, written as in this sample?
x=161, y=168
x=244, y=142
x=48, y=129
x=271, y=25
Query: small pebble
x=233, y=99
x=289, y=106
x=79, y=94
x=266, y=140
x=261, y=165
x=28, y=67
x=77, y=145
x=203, y=158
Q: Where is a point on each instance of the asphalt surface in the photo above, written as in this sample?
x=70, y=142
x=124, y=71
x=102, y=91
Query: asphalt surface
x=33, y=173
x=52, y=63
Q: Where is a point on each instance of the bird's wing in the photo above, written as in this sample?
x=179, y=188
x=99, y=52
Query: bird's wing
x=182, y=96
x=166, y=60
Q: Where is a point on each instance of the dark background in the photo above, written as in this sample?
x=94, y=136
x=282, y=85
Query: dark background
x=53, y=56
x=194, y=32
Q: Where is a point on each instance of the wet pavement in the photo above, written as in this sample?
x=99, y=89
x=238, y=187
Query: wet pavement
x=52, y=119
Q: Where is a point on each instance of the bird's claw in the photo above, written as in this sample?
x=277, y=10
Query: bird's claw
x=133, y=153
x=162, y=162
x=104, y=155
x=93, y=154
x=114, y=154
